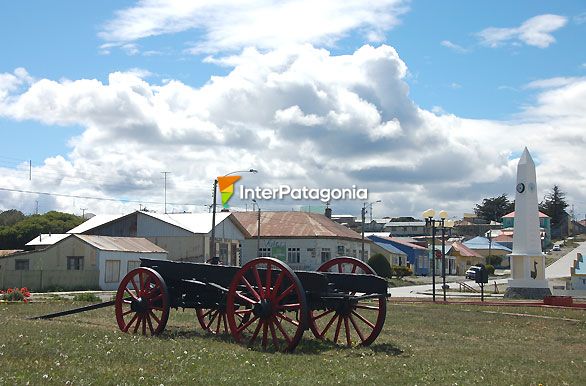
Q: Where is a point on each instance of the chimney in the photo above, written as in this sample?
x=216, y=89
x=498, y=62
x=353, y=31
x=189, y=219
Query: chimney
x=328, y=212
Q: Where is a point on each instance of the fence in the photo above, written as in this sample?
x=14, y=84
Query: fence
x=38, y=280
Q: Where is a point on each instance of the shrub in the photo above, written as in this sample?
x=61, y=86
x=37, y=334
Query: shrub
x=87, y=297
x=15, y=295
x=489, y=268
x=401, y=271
x=380, y=264
x=494, y=260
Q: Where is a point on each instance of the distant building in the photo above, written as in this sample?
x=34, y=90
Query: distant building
x=544, y=223
x=486, y=247
x=185, y=236
x=465, y=257
x=77, y=262
x=394, y=255
x=410, y=228
x=44, y=240
x=578, y=273
x=303, y=240
x=417, y=256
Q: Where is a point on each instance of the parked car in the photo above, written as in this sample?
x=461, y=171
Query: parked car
x=471, y=272
x=556, y=248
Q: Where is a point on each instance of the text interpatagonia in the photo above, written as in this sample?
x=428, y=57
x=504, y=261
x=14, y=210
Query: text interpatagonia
x=303, y=193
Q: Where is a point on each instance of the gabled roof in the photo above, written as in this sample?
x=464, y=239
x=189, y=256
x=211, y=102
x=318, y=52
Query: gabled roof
x=396, y=240
x=8, y=252
x=503, y=238
x=464, y=250
x=479, y=242
x=293, y=224
x=95, y=222
x=512, y=214
x=390, y=248
x=47, y=239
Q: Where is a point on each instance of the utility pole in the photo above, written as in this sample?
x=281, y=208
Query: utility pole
x=83, y=213
x=165, y=174
x=37, y=207
x=213, y=258
x=363, y=219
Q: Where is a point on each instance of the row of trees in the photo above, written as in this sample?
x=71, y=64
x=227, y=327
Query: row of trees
x=553, y=204
x=16, y=229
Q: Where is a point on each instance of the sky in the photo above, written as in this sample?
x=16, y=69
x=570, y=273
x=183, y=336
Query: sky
x=426, y=104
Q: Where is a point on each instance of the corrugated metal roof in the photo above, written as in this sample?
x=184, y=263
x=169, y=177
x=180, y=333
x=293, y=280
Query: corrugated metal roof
x=398, y=241
x=95, y=222
x=293, y=224
x=121, y=244
x=47, y=239
x=464, y=250
x=390, y=247
x=479, y=242
x=7, y=252
x=192, y=222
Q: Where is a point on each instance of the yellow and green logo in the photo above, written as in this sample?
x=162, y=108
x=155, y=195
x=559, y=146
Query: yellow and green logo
x=227, y=188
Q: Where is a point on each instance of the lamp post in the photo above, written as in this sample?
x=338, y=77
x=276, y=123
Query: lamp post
x=430, y=221
x=213, y=258
x=445, y=225
x=258, y=230
x=363, y=219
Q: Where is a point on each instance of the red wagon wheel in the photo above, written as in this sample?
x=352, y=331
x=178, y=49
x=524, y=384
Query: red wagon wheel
x=213, y=320
x=352, y=321
x=275, y=308
x=142, y=302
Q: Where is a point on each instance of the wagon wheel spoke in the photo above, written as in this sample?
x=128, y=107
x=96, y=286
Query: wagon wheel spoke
x=285, y=317
x=130, y=293
x=144, y=324
x=265, y=330
x=244, y=311
x=258, y=282
x=370, y=324
x=338, y=329
x=347, y=328
x=252, y=290
x=256, y=331
x=225, y=319
x=214, y=315
x=247, y=324
x=290, y=307
x=355, y=325
x=285, y=293
x=282, y=330
x=151, y=329
x=133, y=282
x=137, y=324
x=323, y=314
x=274, y=334
x=268, y=281
x=365, y=307
x=219, y=321
x=327, y=327
x=340, y=270
x=246, y=299
x=130, y=323
x=154, y=317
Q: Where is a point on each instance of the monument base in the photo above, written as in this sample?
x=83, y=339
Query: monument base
x=527, y=292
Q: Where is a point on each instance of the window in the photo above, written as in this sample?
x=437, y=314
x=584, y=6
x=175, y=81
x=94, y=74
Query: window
x=224, y=251
x=311, y=252
x=340, y=250
x=132, y=264
x=21, y=265
x=112, y=271
x=75, y=263
x=293, y=255
x=325, y=254
x=264, y=252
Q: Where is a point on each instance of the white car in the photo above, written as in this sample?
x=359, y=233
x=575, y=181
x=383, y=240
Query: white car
x=556, y=248
x=471, y=272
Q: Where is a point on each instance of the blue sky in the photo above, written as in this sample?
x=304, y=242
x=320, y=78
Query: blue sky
x=453, y=70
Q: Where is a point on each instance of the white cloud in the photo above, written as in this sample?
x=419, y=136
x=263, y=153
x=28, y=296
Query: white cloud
x=300, y=115
x=453, y=46
x=534, y=32
x=267, y=24
x=552, y=82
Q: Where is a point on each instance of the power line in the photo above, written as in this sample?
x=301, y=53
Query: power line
x=91, y=198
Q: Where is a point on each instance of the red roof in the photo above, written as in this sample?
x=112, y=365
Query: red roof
x=503, y=238
x=464, y=250
x=293, y=224
x=512, y=214
x=403, y=242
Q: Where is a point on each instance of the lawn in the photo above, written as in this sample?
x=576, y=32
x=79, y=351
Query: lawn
x=420, y=344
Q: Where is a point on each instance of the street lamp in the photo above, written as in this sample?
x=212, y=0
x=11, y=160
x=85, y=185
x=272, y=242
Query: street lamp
x=258, y=230
x=213, y=258
x=446, y=224
x=430, y=221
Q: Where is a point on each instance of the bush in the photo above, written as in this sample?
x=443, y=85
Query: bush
x=489, y=268
x=87, y=297
x=494, y=260
x=15, y=295
x=380, y=264
x=401, y=271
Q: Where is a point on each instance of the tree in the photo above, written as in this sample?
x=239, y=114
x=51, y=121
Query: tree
x=494, y=208
x=10, y=217
x=553, y=205
x=17, y=235
x=380, y=264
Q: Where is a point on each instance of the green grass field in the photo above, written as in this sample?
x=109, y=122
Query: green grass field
x=420, y=344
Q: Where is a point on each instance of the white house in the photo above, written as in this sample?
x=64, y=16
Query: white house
x=303, y=240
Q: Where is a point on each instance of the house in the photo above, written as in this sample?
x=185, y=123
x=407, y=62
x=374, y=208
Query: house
x=394, y=255
x=486, y=247
x=465, y=257
x=406, y=228
x=578, y=273
x=77, y=261
x=450, y=260
x=304, y=240
x=544, y=223
x=417, y=256
x=185, y=236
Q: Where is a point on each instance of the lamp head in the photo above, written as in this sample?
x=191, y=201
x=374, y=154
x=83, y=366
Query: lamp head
x=443, y=214
x=449, y=224
x=429, y=213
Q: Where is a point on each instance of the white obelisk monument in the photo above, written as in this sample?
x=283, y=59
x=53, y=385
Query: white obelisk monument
x=527, y=259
